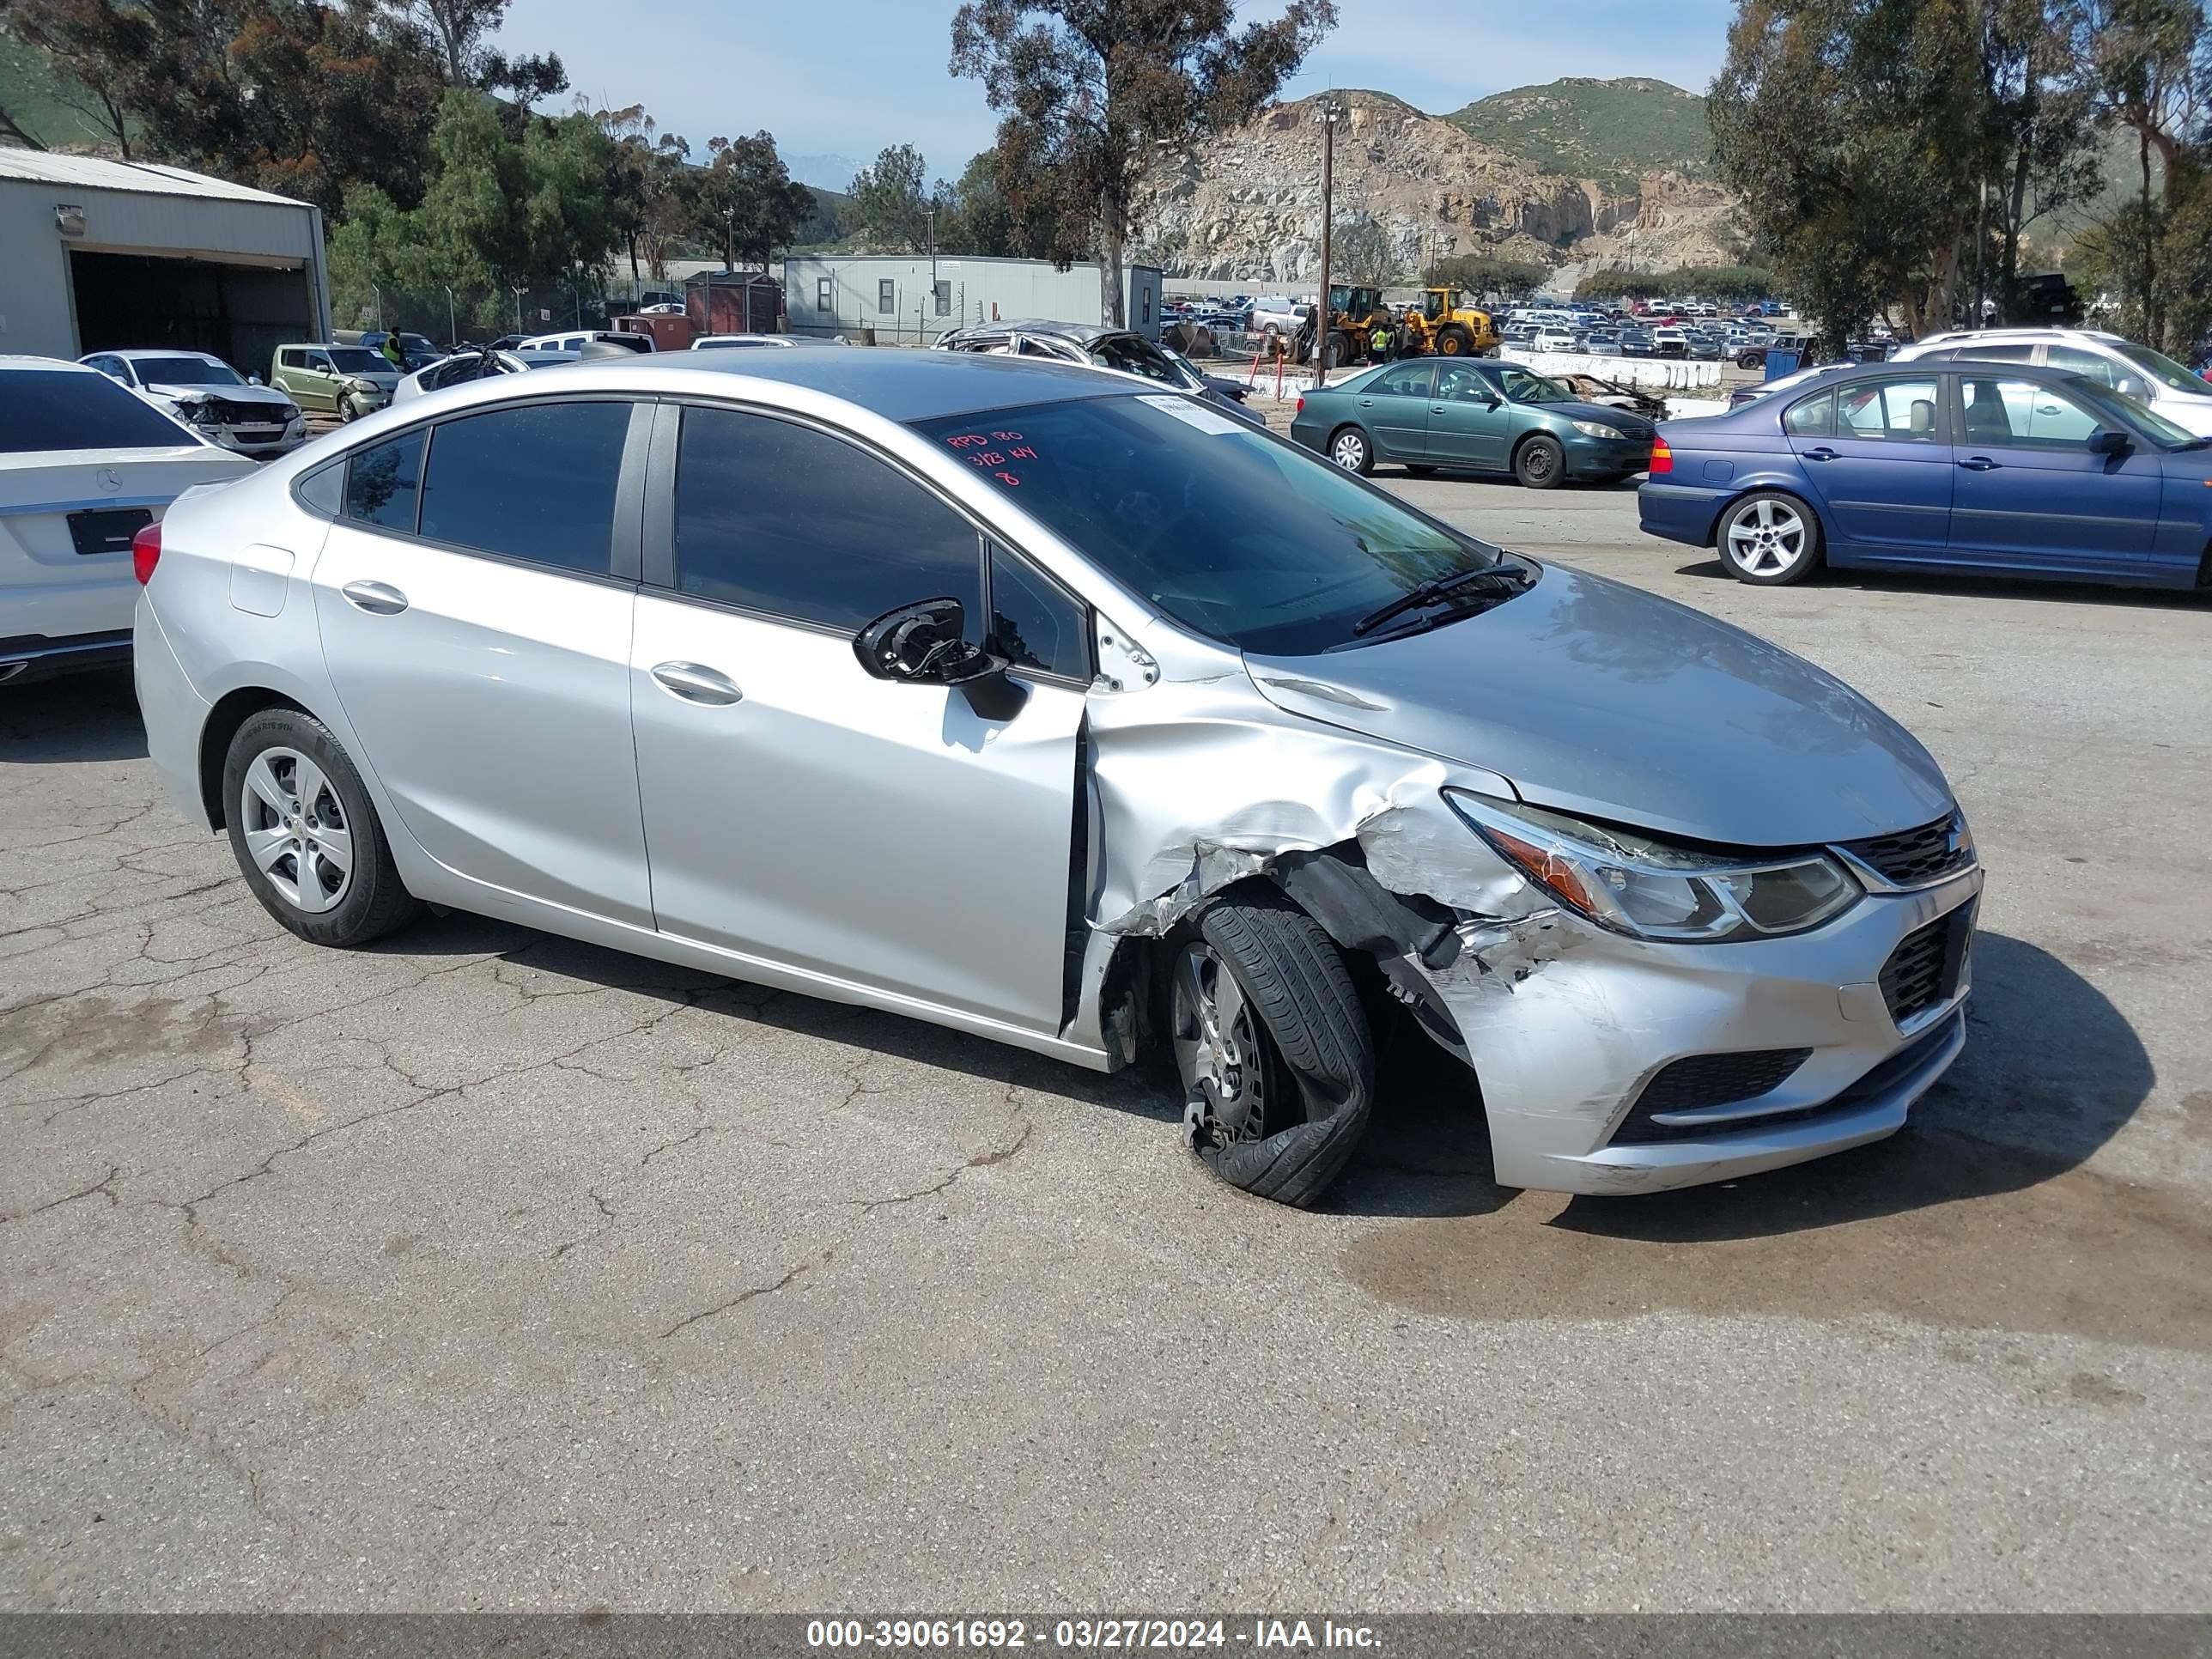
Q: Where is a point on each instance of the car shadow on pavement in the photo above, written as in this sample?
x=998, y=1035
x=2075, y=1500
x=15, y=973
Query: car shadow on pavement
x=1985, y=588
x=71, y=719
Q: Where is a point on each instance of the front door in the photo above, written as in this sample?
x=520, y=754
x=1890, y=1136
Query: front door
x=474, y=601
x=914, y=840
x=1884, y=473
x=1395, y=407
x=1470, y=424
x=2029, y=492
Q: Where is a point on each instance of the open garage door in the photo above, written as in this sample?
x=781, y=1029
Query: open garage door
x=241, y=313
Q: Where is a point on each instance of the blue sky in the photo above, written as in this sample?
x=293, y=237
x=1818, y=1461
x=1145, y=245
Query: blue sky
x=850, y=77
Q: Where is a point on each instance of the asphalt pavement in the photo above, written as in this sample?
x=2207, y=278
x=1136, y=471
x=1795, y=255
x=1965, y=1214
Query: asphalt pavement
x=486, y=1270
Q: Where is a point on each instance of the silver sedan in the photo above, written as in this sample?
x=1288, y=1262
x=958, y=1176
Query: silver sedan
x=1078, y=715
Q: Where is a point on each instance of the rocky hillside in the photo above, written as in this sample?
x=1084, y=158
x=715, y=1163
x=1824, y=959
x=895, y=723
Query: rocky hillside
x=1247, y=204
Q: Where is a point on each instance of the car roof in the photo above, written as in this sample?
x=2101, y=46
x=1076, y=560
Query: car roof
x=25, y=361
x=131, y=354
x=1081, y=333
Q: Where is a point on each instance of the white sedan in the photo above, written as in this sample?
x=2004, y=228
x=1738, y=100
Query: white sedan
x=84, y=467
x=210, y=397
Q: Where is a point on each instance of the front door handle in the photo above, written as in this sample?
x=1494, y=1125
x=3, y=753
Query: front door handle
x=1818, y=454
x=380, y=599
x=1367, y=403
x=1980, y=463
x=694, y=684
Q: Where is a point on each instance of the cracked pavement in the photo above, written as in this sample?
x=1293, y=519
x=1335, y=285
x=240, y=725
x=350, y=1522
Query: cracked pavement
x=482, y=1269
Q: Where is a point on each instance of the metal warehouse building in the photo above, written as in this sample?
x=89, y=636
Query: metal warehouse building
x=912, y=297
x=98, y=255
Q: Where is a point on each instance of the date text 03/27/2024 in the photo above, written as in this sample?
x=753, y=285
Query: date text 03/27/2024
x=1084, y=1634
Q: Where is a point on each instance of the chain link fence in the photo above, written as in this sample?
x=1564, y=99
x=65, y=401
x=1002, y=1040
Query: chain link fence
x=457, y=316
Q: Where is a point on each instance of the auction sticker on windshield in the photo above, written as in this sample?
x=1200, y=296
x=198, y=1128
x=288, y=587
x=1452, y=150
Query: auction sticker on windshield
x=1191, y=414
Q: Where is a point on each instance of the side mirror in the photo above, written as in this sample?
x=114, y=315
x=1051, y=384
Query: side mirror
x=253, y=379
x=922, y=644
x=2106, y=440
x=2128, y=386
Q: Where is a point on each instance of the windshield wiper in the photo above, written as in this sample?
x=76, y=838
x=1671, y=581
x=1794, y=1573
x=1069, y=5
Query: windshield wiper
x=1510, y=577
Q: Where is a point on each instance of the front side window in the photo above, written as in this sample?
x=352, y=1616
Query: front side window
x=1035, y=623
x=535, y=482
x=1458, y=384
x=2078, y=362
x=1232, y=533
x=2009, y=414
x=1522, y=387
x=781, y=518
x=1899, y=411
x=46, y=411
x=383, y=483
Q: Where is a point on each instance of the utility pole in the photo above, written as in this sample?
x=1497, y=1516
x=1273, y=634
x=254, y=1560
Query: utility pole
x=1332, y=112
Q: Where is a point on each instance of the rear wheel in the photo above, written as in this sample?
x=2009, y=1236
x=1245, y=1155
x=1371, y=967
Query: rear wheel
x=1770, y=539
x=304, y=833
x=1539, y=462
x=1274, y=1051
x=1455, y=342
x=1349, y=448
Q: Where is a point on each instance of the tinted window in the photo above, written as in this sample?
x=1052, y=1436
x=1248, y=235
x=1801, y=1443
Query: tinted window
x=781, y=518
x=1404, y=380
x=1035, y=623
x=382, y=483
x=48, y=409
x=535, y=482
x=2084, y=362
x=1232, y=532
x=1897, y=410
x=1812, y=417
x=2009, y=413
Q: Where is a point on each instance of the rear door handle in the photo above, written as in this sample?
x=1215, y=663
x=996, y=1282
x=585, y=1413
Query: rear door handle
x=1980, y=463
x=380, y=599
x=1818, y=454
x=694, y=684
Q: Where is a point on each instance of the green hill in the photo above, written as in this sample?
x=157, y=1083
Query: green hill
x=1608, y=130
x=37, y=97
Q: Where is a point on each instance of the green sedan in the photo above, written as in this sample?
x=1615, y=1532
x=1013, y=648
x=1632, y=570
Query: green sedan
x=1482, y=417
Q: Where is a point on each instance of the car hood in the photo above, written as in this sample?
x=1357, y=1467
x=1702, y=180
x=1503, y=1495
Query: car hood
x=1635, y=425
x=229, y=394
x=387, y=378
x=1598, y=698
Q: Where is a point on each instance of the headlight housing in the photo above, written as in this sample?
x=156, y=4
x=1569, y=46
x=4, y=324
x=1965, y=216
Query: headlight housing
x=1598, y=429
x=1638, y=885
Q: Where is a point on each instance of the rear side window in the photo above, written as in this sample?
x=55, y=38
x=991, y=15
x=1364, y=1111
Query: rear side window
x=46, y=411
x=778, y=517
x=535, y=482
x=383, y=483
x=1813, y=417
x=1902, y=411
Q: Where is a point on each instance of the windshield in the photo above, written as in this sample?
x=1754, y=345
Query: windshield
x=358, y=359
x=1524, y=387
x=1233, y=533
x=2162, y=368
x=184, y=370
x=2133, y=412
x=44, y=411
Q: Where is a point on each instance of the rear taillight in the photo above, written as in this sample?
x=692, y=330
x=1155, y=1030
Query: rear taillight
x=1662, y=456
x=1301, y=408
x=146, y=553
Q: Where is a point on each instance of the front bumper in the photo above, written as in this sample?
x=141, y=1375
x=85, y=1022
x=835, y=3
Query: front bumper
x=1566, y=1024
x=1606, y=458
x=278, y=438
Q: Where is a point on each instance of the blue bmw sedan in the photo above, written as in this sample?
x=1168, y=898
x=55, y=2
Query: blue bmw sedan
x=1956, y=468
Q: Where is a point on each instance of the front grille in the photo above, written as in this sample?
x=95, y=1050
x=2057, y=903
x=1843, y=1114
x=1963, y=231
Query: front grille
x=1914, y=858
x=1924, y=970
x=1700, y=1081
x=215, y=412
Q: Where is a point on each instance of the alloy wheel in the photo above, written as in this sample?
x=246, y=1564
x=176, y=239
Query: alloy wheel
x=295, y=830
x=1217, y=1048
x=1768, y=539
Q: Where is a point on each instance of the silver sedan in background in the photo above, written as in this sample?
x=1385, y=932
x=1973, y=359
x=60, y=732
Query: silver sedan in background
x=1074, y=713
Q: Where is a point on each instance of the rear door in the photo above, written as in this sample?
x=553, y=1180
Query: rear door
x=2029, y=493
x=475, y=598
x=908, y=838
x=1884, y=473
x=1470, y=423
x=1395, y=407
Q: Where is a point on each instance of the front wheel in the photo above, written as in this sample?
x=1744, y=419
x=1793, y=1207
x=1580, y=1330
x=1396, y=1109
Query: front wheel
x=304, y=833
x=1274, y=1051
x=1539, y=464
x=1770, y=539
x=1350, y=450
x=1455, y=342
x=347, y=410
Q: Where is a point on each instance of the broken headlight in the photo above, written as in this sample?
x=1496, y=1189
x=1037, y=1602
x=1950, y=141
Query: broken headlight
x=1639, y=884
